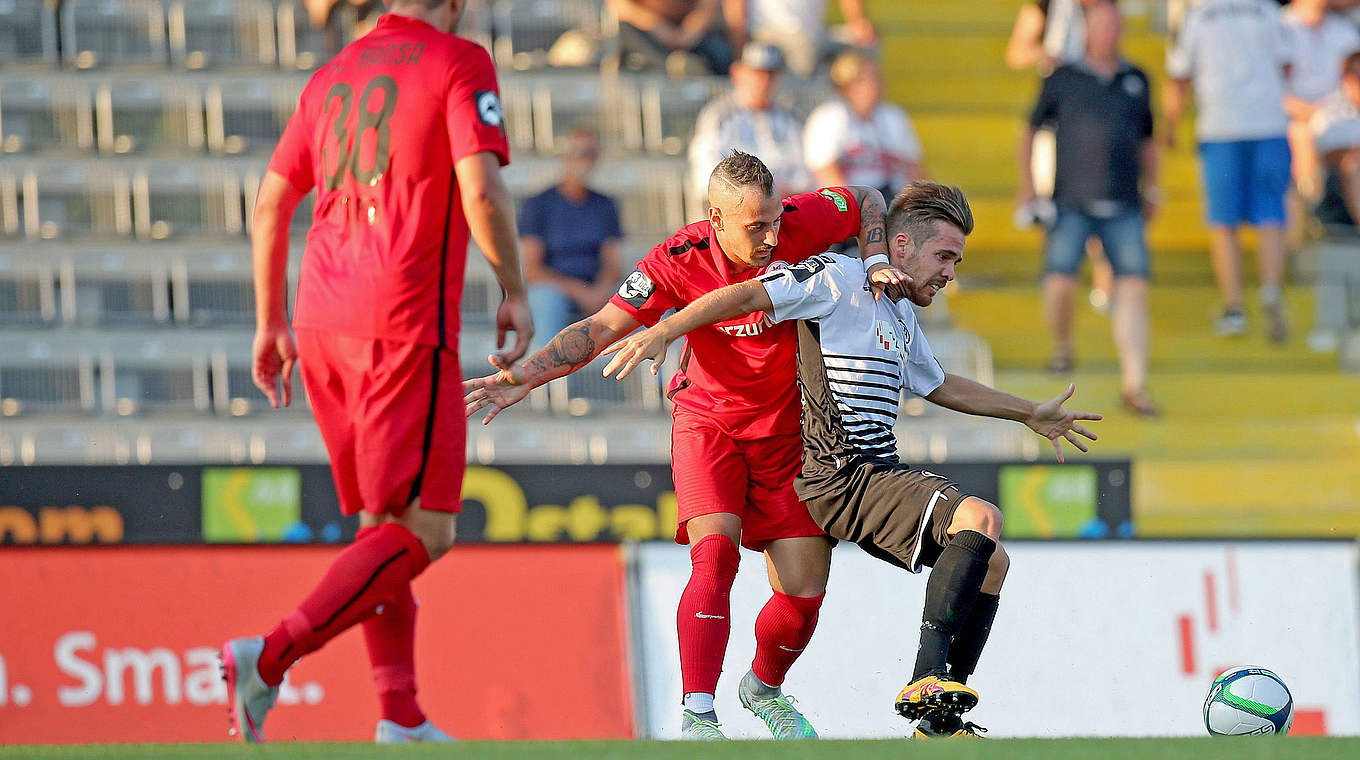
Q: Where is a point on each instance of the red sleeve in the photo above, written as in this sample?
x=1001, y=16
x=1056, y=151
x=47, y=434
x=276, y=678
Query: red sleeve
x=293, y=155
x=646, y=294
x=816, y=221
x=472, y=110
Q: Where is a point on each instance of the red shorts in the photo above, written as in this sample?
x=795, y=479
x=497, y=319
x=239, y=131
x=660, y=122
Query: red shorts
x=393, y=420
x=753, y=480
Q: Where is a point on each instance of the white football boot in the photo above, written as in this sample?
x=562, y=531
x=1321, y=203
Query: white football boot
x=249, y=698
x=389, y=732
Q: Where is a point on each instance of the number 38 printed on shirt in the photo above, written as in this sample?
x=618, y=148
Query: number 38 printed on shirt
x=346, y=151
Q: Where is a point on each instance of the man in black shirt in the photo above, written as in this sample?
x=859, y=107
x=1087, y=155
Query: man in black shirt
x=1107, y=169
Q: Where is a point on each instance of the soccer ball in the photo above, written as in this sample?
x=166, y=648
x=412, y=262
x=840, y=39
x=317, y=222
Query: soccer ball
x=1248, y=701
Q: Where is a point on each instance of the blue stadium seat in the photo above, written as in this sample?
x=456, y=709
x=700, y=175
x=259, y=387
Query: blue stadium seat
x=39, y=113
x=139, y=114
x=206, y=33
x=177, y=198
x=59, y=199
x=28, y=290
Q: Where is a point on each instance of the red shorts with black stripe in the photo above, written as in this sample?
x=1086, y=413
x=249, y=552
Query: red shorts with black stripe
x=753, y=479
x=392, y=417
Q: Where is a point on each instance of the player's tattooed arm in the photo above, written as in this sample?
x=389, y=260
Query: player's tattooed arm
x=873, y=244
x=570, y=350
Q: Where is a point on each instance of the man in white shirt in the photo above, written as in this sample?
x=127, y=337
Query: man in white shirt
x=1335, y=128
x=797, y=28
x=856, y=354
x=1320, y=41
x=1235, y=54
x=857, y=139
x=749, y=120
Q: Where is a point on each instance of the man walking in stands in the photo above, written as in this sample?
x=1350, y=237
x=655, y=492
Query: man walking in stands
x=735, y=445
x=402, y=137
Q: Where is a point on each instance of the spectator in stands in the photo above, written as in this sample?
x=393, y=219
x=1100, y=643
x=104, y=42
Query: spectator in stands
x=664, y=34
x=569, y=241
x=1320, y=41
x=1100, y=109
x=1235, y=52
x=1048, y=34
x=1336, y=130
x=749, y=120
x=857, y=139
x=797, y=27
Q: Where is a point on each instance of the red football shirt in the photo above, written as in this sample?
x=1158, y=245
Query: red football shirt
x=376, y=132
x=741, y=372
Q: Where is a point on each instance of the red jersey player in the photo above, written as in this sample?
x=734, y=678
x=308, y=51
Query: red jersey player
x=736, y=442
x=401, y=135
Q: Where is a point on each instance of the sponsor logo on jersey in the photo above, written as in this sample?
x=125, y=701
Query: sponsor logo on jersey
x=744, y=331
x=489, y=108
x=835, y=197
x=637, y=289
x=888, y=340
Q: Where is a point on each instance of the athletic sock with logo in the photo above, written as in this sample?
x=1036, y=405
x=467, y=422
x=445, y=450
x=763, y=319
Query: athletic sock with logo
x=972, y=637
x=954, y=585
x=783, y=629
x=371, y=572
x=390, y=636
x=703, y=618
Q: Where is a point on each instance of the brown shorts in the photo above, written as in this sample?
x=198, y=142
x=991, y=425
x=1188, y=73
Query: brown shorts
x=898, y=513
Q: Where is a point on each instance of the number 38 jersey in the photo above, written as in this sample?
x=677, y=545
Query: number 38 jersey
x=376, y=132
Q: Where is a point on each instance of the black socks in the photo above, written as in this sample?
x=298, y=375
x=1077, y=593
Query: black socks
x=951, y=593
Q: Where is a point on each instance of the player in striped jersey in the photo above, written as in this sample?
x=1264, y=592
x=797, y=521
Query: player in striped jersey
x=856, y=354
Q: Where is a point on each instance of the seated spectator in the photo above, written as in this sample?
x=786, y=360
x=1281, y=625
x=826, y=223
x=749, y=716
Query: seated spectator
x=857, y=139
x=655, y=34
x=1321, y=40
x=569, y=241
x=796, y=27
x=748, y=120
x=1336, y=134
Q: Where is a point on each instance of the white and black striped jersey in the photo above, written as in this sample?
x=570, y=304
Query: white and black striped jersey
x=855, y=355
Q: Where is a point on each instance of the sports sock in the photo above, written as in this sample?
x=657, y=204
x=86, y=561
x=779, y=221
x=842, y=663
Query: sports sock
x=372, y=571
x=783, y=629
x=954, y=584
x=390, y=636
x=699, y=703
x=972, y=637
x=702, y=619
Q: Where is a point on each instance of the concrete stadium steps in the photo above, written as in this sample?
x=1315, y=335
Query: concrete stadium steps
x=1254, y=438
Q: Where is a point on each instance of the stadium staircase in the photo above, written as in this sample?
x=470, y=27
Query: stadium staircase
x=1255, y=439
x=133, y=134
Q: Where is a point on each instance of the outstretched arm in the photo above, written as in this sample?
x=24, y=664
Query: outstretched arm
x=1048, y=419
x=568, y=351
x=724, y=303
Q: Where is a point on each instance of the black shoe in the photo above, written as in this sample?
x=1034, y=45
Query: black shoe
x=943, y=724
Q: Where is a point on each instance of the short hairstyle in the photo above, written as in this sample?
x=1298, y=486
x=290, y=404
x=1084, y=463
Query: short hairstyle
x=1351, y=66
x=918, y=206
x=739, y=171
x=848, y=65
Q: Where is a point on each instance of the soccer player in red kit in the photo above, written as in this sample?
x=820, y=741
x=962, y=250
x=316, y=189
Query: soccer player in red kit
x=735, y=445
x=401, y=136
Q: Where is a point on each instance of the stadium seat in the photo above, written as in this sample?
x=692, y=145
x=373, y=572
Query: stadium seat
x=213, y=288
x=517, y=107
x=96, y=33
x=301, y=46
x=28, y=290
x=28, y=31
x=177, y=198
x=669, y=109
x=38, y=113
x=245, y=115
x=206, y=33
x=109, y=288
x=562, y=103
x=148, y=377
x=42, y=375
x=524, y=30
x=61, y=199
x=139, y=114
x=587, y=390
x=302, y=217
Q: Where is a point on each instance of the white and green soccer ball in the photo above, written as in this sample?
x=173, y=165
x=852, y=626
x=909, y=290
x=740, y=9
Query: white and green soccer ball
x=1248, y=701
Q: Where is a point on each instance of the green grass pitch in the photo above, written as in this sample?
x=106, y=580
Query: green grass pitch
x=1253, y=748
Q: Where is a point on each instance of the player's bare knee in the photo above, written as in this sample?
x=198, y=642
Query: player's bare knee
x=977, y=515
x=998, y=565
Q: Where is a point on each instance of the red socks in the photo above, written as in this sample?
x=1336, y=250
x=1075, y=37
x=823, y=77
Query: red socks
x=391, y=638
x=783, y=629
x=703, y=619
x=375, y=570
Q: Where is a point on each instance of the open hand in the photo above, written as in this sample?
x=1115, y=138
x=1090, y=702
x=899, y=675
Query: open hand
x=634, y=350
x=494, y=393
x=1055, y=423
x=886, y=278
